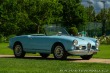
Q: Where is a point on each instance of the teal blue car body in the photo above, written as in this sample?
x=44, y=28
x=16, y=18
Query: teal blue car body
x=42, y=43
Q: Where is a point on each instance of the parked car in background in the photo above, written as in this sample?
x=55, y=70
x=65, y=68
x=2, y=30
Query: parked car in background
x=55, y=40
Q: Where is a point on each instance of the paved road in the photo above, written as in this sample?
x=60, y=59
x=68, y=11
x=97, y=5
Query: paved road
x=93, y=60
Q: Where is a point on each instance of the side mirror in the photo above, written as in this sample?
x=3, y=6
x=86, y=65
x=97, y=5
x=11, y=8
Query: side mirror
x=59, y=33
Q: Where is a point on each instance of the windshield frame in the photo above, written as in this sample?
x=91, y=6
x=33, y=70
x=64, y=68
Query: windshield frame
x=55, y=30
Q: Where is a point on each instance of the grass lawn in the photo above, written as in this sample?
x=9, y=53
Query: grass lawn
x=38, y=65
x=4, y=49
x=103, y=53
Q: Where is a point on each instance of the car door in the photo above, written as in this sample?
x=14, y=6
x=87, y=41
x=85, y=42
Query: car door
x=40, y=43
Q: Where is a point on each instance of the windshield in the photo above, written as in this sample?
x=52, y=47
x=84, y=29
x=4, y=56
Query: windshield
x=55, y=30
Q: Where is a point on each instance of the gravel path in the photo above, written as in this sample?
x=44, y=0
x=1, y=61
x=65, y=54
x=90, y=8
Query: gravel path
x=6, y=56
x=92, y=60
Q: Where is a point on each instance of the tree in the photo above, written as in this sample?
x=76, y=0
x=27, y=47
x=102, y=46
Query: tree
x=108, y=21
x=44, y=12
x=73, y=13
x=21, y=16
x=103, y=17
x=7, y=24
x=90, y=20
x=28, y=16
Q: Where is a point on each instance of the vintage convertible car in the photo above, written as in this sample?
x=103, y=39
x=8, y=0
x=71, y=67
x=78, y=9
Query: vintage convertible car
x=56, y=41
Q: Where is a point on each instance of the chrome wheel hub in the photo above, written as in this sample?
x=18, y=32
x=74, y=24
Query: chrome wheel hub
x=18, y=50
x=58, y=51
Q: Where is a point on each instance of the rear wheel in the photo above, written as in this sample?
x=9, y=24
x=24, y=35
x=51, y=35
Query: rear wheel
x=44, y=55
x=59, y=52
x=86, y=57
x=18, y=51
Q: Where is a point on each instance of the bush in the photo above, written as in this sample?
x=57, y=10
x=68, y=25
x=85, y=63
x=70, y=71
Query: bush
x=2, y=38
x=104, y=39
x=8, y=37
x=108, y=40
x=73, y=30
x=5, y=39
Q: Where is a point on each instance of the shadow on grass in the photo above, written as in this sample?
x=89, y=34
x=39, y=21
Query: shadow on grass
x=40, y=58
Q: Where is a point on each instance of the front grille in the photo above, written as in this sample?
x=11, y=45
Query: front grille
x=93, y=47
x=88, y=46
x=77, y=48
x=83, y=47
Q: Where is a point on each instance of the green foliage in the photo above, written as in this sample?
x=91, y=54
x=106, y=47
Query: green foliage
x=9, y=37
x=2, y=38
x=90, y=13
x=45, y=12
x=104, y=16
x=5, y=39
x=73, y=30
x=18, y=15
x=104, y=39
x=28, y=16
x=108, y=20
x=73, y=13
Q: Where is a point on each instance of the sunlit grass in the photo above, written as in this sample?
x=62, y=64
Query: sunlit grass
x=36, y=65
x=103, y=53
x=4, y=49
x=40, y=65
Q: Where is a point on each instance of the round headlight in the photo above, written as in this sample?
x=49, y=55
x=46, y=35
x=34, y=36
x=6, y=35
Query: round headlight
x=97, y=42
x=75, y=42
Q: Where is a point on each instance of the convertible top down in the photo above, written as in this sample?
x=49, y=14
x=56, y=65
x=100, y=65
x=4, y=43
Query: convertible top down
x=55, y=40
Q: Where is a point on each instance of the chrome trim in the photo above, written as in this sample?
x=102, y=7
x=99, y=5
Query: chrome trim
x=89, y=46
x=83, y=52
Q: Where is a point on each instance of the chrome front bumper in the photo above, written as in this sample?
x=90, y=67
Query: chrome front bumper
x=83, y=52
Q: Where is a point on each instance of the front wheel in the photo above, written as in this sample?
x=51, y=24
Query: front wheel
x=18, y=50
x=86, y=57
x=59, y=52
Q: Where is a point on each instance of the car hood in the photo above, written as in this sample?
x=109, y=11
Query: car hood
x=81, y=40
x=88, y=39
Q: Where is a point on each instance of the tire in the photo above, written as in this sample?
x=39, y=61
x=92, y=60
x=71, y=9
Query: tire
x=86, y=57
x=44, y=55
x=59, y=52
x=18, y=50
